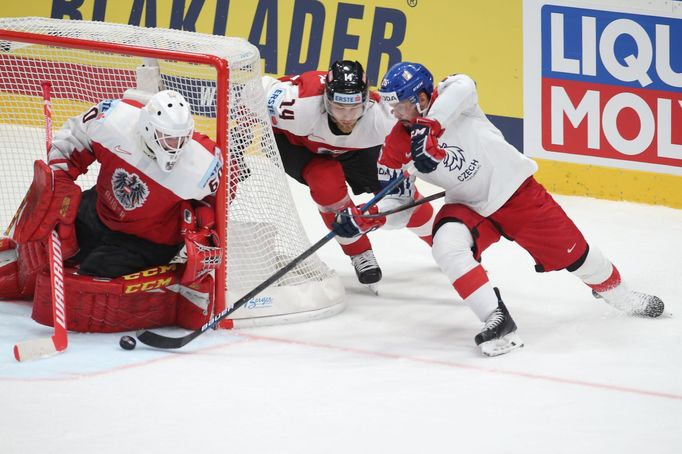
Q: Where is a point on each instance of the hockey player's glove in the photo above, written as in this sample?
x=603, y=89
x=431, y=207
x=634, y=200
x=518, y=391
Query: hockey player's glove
x=201, y=241
x=203, y=255
x=426, y=153
x=349, y=225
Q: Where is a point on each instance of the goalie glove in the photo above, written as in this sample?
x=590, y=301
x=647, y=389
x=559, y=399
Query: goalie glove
x=202, y=243
x=425, y=151
x=204, y=255
x=348, y=225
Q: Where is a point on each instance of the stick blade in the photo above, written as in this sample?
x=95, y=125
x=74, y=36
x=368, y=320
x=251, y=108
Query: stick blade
x=157, y=340
x=36, y=348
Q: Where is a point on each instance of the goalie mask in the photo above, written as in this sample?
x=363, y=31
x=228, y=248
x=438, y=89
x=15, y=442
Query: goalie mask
x=345, y=90
x=166, y=126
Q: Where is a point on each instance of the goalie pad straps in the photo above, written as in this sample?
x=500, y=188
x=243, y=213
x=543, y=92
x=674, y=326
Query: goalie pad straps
x=52, y=199
x=9, y=274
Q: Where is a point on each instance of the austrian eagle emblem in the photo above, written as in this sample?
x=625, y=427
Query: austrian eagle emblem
x=130, y=191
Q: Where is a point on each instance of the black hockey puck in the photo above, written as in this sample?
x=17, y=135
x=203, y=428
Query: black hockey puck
x=127, y=343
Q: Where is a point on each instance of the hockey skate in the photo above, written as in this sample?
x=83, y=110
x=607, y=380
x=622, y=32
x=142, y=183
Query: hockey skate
x=367, y=269
x=498, y=335
x=633, y=303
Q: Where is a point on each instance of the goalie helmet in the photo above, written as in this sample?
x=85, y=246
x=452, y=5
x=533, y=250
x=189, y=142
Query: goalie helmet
x=345, y=90
x=406, y=80
x=166, y=126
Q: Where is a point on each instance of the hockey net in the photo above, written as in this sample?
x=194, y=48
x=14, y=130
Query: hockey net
x=87, y=62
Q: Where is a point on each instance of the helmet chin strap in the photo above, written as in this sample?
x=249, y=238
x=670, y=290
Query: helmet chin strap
x=423, y=111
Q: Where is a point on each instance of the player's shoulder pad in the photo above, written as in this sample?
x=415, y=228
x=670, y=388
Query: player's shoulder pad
x=101, y=112
x=132, y=102
x=310, y=83
x=379, y=107
x=204, y=140
x=461, y=79
x=209, y=162
x=105, y=106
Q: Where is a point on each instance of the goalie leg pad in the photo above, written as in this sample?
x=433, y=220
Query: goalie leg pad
x=195, y=303
x=20, y=264
x=9, y=271
x=101, y=305
x=148, y=299
x=32, y=258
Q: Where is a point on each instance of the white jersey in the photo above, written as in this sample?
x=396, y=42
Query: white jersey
x=481, y=169
x=133, y=194
x=296, y=108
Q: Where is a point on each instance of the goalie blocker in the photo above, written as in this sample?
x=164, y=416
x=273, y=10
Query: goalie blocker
x=52, y=201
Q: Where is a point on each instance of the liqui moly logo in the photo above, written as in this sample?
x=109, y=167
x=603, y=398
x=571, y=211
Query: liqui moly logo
x=58, y=280
x=611, y=85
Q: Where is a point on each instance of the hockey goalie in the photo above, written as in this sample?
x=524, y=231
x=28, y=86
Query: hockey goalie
x=140, y=247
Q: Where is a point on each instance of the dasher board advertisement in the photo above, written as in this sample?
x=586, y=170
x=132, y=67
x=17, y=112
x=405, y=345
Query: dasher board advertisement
x=603, y=83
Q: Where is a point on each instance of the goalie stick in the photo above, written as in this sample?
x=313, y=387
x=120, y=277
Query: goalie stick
x=157, y=340
x=43, y=347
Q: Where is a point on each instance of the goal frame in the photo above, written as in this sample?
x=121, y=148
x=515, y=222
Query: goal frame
x=221, y=66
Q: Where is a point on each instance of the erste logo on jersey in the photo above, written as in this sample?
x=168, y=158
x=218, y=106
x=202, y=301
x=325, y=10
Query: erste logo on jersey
x=455, y=161
x=273, y=102
x=130, y=191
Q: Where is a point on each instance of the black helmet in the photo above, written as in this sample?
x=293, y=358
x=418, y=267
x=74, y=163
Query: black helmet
x=346, y=83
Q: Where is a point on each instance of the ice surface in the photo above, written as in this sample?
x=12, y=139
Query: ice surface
x=397, y=373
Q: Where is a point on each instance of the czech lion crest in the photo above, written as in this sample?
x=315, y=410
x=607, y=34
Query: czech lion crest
x=454, y=158
x=130, y=191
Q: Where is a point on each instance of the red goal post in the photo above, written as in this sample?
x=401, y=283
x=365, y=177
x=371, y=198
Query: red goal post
x=87, y=62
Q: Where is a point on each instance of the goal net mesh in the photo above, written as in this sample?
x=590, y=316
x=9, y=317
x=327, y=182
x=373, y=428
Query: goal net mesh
x=264, y=231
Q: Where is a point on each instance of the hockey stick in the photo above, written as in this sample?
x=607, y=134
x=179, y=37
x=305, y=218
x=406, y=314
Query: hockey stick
x=42, y=347
x=160, y=341
x=407, y=206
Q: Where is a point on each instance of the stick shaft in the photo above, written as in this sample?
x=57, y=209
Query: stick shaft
x=160, y=341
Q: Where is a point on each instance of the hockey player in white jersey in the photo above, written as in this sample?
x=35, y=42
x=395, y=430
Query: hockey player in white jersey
x=156, y=182
x=490, y=192
x=151, y=160
x=329, y=129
